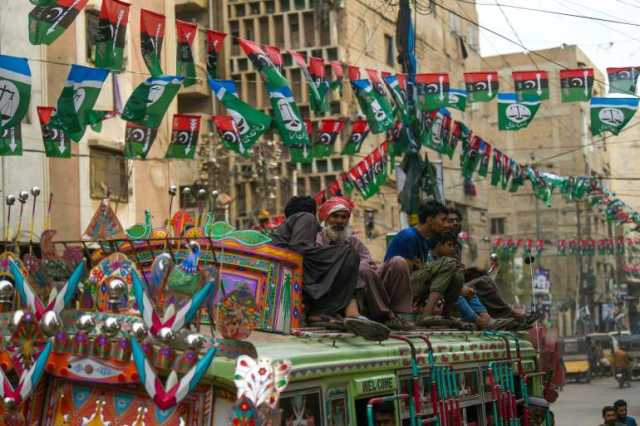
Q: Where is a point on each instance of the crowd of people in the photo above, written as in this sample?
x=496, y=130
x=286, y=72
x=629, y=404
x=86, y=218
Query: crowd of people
x=422, y=281
x=616, y=415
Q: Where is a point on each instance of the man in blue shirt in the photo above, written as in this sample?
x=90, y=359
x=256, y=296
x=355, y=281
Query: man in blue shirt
x=415, y=245
x=621, y=410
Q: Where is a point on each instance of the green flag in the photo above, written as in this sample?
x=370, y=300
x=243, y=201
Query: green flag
x=184, y=137
x=56, y=143
x=481, y=86
x=49, y=20
x=433, y=89
x=15, y=90
x=611, y=114
x=359, y=132
x=328, y=131
x=150, y=101
x=11, y=141
x=138, y=140
x=623, y=80
x=576, y=84
x=530, y=84
x=302, y=152
x=315, y=84
x=112, y=35
x=151, y=38
x=399, y=96
x=250, y=123
x=374, y=106
x=457, y=99
x=185, y=65
x=75, y=104
x=435, y=129
x=514, y=114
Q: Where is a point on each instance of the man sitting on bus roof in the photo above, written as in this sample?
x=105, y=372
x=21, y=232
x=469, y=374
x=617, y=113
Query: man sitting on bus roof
x=441, y=276
x=386, y=294
x=330, y=273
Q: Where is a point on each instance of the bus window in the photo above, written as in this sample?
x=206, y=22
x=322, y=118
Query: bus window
x=301, y=408
x=383, y=414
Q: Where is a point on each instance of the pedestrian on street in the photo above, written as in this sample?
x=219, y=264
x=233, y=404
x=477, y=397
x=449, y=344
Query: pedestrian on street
x=610, y=417
x=621, y=411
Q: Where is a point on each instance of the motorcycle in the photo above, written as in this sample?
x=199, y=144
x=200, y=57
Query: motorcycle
x=622, y=377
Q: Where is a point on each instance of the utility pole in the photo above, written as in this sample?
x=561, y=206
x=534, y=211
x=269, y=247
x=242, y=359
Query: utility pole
x=578, y=260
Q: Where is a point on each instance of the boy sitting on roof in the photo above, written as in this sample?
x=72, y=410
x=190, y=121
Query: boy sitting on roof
x=386, y=294
x=330, y=273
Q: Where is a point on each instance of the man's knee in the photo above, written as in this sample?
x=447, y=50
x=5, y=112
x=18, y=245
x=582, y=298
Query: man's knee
x=398, y=264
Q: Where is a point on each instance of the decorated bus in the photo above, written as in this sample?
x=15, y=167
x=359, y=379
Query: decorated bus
x=202, y=324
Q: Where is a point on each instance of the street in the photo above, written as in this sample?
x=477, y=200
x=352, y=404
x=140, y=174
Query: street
x=581, y=404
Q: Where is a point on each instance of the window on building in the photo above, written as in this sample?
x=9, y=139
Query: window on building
x=108, y=174
x=240, y=10
x=454, y=23
x=296, y=82
x=234, y=29
x=249, y=29
x=316, y=184
x=284, y=5
x=92, y=19
x=322, y=166
x=252, y=88
x=336, y=164
x=325, y=30
x=255, y=8
x=332, y=54
x=264, y=30
x=334, y=106
x=241, y=200
x=390, y=55
x=294, y=31
x=270, y=6
x=243, y=64
x=300, y=4
x=497, y=225
x=278, y=26
x=308, y=20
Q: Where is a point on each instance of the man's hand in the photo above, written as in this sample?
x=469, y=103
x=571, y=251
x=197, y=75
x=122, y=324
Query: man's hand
x=467, y=292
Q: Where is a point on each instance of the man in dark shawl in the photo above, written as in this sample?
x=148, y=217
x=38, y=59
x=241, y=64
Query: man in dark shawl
x=330, y=273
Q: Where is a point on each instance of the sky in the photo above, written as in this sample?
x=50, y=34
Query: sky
x=607, y=44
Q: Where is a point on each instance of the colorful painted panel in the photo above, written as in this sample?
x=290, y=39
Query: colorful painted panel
x=75, y=404
x=337, y=411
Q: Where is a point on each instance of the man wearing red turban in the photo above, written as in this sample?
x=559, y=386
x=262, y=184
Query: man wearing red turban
x=385, y=289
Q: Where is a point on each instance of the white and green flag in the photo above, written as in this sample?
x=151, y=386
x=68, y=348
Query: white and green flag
x=457, y=99
x=150, y=101
x=15, y=90
x=514, y=114
x=74, y=110
x=611, y=114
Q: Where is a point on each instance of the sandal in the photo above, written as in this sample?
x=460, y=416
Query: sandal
x=326, y=321
x=400, y=324
x=364, y=327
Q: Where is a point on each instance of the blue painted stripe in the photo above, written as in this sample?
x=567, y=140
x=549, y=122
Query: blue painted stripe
x=361, y=84
x=390, y=79
x=461, y=92
x=227, y=85
x=40, y=364
x=138, y=289
x=197, y=301
x=14, y=64
x=19, y=280
x=72, y=284
x=507, y=97
x=601, y=101
x=138, y=359
x=201, y=368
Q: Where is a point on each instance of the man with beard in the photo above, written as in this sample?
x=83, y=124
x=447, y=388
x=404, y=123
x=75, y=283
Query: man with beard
x=330, y=273
x=386, y=294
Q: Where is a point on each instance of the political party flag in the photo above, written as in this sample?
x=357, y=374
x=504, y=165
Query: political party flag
x=42, y=2
x=370, y=173
x=531, y=84
x=229, y=135
x=374, y=106
x=56, y=143
x=250, y=123
x=275, y=55
x=185, y=65
x=151, y=38
x=150, y=101
x=576, y=84
x=514, y=114
x=112, y=34
x=215, y=43
x=399, y=96
x=261, y=61
x=623, y=80
x=328, y=131
x=497, y=171
x=353, y=72
x=184, y=137
x=517, y=175
x=49, y=20
x=79, y=95
x=459, y=133
x=611, y=114
x=138, y=140
x=376, y=81
x=302, y=152
x=15, y=90
x=435, y=131
x=316, y=69
x=457, y=99
x=316, y=100
x=338, y=72
x=481, y=86
x=433, y=88
x=11, y=141
x=477, y=156
x=359, y=132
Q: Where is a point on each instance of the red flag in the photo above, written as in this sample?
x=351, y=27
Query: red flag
x=433, y=78
x=373, y=76
x=359, y=132
x=316, y=68
x=152, y=36
x=274, y=54
x=299, y=58
x=112, y=32
x=228, y=132
x=215, y=42
x=402, y=81
x=338, y=70
x=184, y=136
x=353, y=72
x=328, y=131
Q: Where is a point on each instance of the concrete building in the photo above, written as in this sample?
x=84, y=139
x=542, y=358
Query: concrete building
x=98, y=165
x=354, y=32
x=558, y=140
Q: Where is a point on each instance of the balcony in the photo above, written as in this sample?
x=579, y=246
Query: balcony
x=191, y=5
